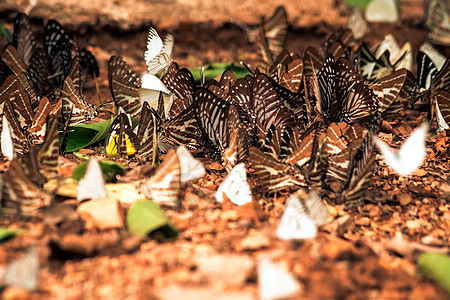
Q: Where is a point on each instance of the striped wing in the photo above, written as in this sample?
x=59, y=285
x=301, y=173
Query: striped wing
x=124, y=85
x=158, y=55
x=388, y=88
x=37, y=131
x=21, y=191
x=273, y=175
x=443, y=101
x=121, y=140
x=182, y=85
x=164, y=186
x=81, y=110
x=59, y=46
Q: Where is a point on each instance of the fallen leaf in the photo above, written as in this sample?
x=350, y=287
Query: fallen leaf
x=102, y=213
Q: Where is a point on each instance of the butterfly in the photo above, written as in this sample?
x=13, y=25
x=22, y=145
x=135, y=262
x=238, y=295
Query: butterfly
x=382, y=11
x=23, y=271
x=191, y=168
x=436, y=19
x=442, y=99
x=7, y=146
x=274, y=30
x=411, y=154
x=11, y=58
x=274, y=282
x=88, y=64
x=164, y=186
x=235, y=186
x=398, y=57
x=182, y=84
x=124, y=85
x=388, y=88
x=32, y=53
x=158, y=55
x=152, y=89
x=121, y=140
x=73, y=102
x=216, y=118
x=92, y=184
x=303, y=214
x=360, y=168
x=342, y=140
x=21, y=193
x=436, y=57
x=36, y=132
x=60, y=51
x=20, y=141
x=275, y=175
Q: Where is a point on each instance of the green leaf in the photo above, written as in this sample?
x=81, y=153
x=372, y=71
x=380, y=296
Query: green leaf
x=146, y=218
x=84, y=135
x=358, y=3
x=6, y=234
x=216, y=69
x=110, y=170
x=6, y=33
x=437, y=267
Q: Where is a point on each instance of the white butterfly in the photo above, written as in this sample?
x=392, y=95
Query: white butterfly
x=382, y=11
x=7, y=145
x=301, y=217
x=274, y=282
x=191, y=168
x=158, y=56
x=235, y=186
x=411, y=154
x=92, y=185
x=151, y=87
x=356, y=23
x=23, y=271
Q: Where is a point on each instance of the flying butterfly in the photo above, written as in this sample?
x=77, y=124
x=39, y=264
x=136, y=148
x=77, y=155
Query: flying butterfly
x=411, y=154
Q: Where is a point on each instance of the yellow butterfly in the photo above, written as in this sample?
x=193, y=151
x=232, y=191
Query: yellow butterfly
x=121, y=141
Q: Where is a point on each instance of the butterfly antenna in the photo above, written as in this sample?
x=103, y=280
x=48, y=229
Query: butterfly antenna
x=97, y=88
x=247, y=67
x=155, y=146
